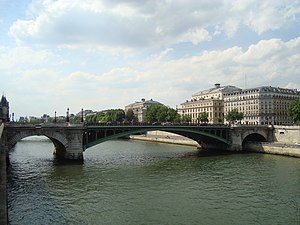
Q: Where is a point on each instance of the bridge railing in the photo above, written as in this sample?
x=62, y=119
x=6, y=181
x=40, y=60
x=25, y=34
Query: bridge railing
x=151, y=124
x=40, y=125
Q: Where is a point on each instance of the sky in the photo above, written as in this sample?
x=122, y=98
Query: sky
x=106, y=54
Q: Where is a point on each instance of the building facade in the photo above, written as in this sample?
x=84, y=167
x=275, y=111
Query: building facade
x=262, y=105
x=209, y=101
x=139, y=108
x=4, y=109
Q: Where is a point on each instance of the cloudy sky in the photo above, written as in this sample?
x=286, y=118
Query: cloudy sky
x=101, y=54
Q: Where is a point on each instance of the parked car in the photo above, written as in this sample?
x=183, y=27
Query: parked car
x=297, y=143
x=156, y=123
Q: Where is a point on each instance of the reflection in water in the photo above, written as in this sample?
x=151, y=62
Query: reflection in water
x=126, y=182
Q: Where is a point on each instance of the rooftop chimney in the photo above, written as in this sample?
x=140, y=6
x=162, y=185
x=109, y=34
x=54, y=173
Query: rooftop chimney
x=217, y=85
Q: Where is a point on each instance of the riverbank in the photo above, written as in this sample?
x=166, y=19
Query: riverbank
x=276, y=148
x=165, y=137
x=3, y=177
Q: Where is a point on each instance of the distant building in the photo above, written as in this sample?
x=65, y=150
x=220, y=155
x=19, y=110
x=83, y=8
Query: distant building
x=139, y=108
x=209, y=101
x=262, y=105
x=4, y=109
x=85, y=113
x=216, y=92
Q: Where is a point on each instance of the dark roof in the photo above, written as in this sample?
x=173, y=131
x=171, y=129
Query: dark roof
x=3, y=101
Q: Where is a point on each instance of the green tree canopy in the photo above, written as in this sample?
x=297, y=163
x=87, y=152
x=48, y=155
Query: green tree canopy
x=186, y=118
x=234, y=115
x=111, y=115
x=203, y=117
x=294, y=111
x=129, y=115
x=161, y=113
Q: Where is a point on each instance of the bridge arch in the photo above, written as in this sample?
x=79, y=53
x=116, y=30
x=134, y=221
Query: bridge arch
x=215, y=139
x=254, y=137
x=58, y=140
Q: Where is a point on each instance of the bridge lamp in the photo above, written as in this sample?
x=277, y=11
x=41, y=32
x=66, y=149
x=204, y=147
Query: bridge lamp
x=68, y=118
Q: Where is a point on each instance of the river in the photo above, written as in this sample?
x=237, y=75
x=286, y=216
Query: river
x=131, y=182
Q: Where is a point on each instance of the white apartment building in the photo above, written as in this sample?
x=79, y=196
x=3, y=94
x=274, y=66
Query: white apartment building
x=139, y=108
x=262, y=105
x=209, y=101
x=214, y=108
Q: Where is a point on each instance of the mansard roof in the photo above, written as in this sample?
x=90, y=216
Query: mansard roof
x=218, y=88
x=266, y=89
x=144, y=102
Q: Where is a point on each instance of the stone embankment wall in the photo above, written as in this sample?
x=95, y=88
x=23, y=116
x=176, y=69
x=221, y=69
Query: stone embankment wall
x=287, y=134
x=285, y=139
x=3, y=194
x=165, y=137
x=275, y=148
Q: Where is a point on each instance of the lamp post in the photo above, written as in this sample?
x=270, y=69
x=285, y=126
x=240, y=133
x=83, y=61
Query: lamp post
x=81, y=116
x=68, y=118
x=55, y=117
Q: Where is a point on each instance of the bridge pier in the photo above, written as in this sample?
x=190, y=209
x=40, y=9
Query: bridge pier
x=75, y=155
x=72, y=149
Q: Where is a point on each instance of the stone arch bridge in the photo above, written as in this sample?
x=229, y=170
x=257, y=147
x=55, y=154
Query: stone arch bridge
x=70, y=141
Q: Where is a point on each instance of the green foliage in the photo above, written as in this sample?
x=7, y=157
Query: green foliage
x=75, y=119
x=234, y=115
x=186, y=118
x=161, y=113
x=129, y=116
x=203, y=117
x=294, y=111
x=111, y=115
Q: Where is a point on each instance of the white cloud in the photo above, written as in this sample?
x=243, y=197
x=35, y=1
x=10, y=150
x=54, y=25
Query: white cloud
x=36, y=77
x=18, y=58
x=141, y=24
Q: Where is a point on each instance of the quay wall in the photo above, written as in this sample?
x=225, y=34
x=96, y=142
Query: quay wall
x=275, y=148
x=287, y=134
x=165, y=137
x=3, y=177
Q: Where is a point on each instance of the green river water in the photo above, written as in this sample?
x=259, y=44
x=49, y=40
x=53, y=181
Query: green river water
x=131, y=182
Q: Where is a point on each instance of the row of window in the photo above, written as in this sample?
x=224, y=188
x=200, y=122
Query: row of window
x=262, y=96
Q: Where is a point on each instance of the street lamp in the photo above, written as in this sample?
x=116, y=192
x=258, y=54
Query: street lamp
x=68, y=118
x=81, y=116
x=55, y=117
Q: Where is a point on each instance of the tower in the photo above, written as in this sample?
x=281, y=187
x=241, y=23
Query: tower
x=4, y=109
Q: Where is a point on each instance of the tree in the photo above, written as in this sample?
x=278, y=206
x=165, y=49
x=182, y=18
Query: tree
x=203, y=117
x=111, y=115
x=234, y=115
x=294, y=111
x=186, y=118
x=161, y=113
x=129, y=116
x=172, y=115
x=151, y=113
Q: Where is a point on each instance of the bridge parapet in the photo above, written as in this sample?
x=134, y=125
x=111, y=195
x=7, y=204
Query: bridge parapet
x=67, y=139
